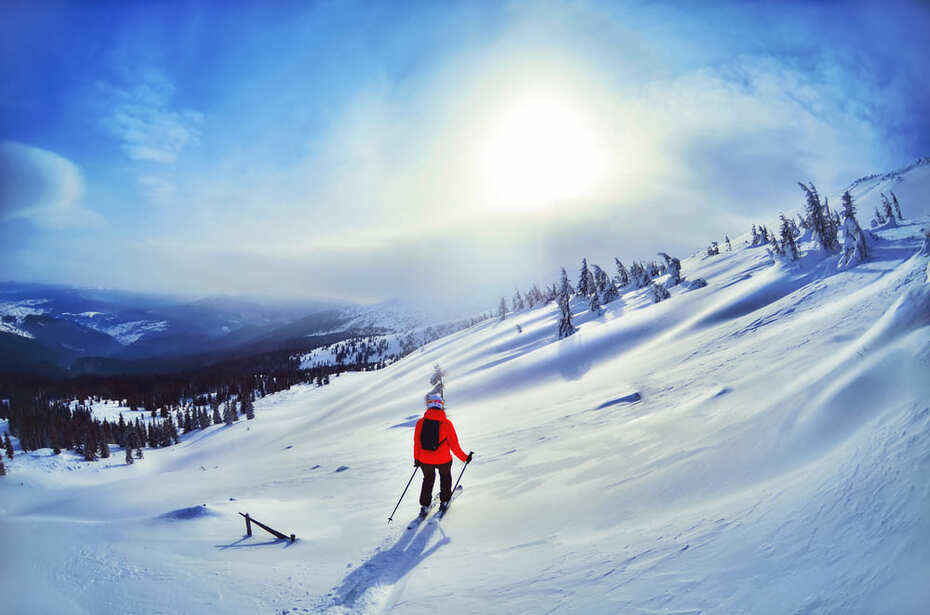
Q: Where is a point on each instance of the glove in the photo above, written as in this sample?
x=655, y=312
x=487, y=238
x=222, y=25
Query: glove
x=416, y=463
x=470, y=455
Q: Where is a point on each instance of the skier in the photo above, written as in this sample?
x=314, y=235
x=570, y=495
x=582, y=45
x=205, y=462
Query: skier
x=434, y=441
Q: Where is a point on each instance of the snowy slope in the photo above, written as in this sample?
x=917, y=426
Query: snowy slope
x=761, y=445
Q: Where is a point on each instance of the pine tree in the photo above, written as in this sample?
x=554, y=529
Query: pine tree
x=820, y=219
x=673, y=266
x=104, y=450
x=584, y=279
x=755, y=237
x=659, y=292
x=897, y=206
x=777, y=249
x=436, y=381
x=129, y=459
x=623, y=278
x=90, y=448
x=726, y=238
x=2, y=467
x=788, y=244
x=878, y=218
x=855, y=248
x=248, y=408
x=564, y=298
x=502, y=310
x=217, y=419
x=594, y=303
x=638, y=276
x=888, y=209
x=8, y=444
x=605, y=286
x=229, y=414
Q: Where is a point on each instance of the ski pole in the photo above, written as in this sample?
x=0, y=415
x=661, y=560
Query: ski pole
x=460, y=476
x=403, y=494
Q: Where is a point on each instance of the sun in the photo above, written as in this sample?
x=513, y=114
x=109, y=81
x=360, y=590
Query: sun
x=539, y=151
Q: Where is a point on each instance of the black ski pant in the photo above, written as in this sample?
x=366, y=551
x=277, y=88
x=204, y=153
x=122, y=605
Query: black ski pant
x=429, y=477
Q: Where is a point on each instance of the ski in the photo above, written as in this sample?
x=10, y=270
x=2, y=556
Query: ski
x=420, y=518
x=439, y=515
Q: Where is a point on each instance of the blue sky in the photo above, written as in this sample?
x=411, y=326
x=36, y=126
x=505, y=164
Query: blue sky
x=440, y=151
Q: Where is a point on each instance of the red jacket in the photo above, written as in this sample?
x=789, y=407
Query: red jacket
x=448, y=440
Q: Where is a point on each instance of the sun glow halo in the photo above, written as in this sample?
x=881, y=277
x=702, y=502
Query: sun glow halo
x=539, y=152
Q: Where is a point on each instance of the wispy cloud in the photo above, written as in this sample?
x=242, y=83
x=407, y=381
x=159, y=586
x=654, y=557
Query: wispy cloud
x=43, y=187
x=143, y=119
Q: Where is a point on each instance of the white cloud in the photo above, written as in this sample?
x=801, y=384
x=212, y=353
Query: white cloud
x=43, y=187
x=142, y=118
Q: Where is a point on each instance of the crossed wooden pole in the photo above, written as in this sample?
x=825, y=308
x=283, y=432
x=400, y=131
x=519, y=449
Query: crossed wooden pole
x=248, y=528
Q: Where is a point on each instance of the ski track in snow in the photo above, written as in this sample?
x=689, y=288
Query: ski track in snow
x=760, y=445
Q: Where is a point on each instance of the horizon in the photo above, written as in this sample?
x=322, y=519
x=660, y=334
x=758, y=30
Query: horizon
x=360, y=153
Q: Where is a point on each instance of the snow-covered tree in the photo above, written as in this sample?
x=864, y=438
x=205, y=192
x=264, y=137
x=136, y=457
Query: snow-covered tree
x=638, y=276
x=755, y=237
x=436, y=380
x=673, y=267
x=775, y=248
x=658, y=292
x=855, y=248
x=887, y=209
x=552, y=293
x=564, y=298
x=623, y=278
x=139, y=454
x=877, y=218
x=230, y=415
x=2, y=467
x=248, y=408
x=605, y=286
x=594, y=302
x=713, y=249
x=90, y=448
x=726, y=239
x=129, y=459
x=564, y=287
x=600, y=279
x=502, y=309
x=788, y=245
x=585, y=279
x=8, y=445
x=819, y=218
x=537, y=295
x=517, y=301
x=897, y=206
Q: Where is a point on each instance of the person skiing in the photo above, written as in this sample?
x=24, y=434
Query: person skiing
x=434, y=441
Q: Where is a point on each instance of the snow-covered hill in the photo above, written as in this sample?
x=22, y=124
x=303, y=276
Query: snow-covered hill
x=760, y=445
x=74, y=325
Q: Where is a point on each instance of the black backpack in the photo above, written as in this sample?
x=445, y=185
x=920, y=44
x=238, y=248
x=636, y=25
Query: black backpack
x=429, y=435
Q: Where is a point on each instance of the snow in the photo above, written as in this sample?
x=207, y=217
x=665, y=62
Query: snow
x=758, y=445
x=12, y=314
x=127, y=333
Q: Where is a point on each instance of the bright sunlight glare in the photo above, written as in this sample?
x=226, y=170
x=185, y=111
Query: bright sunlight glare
x=540, y=151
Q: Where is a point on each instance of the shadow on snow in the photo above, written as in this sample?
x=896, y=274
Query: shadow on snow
x=387, y=567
